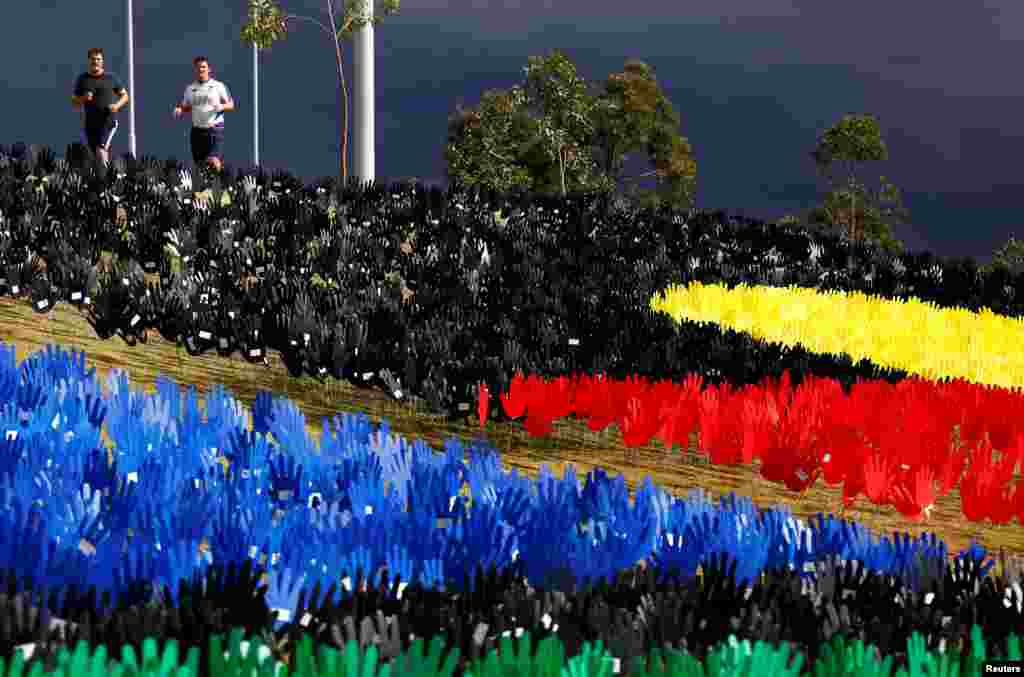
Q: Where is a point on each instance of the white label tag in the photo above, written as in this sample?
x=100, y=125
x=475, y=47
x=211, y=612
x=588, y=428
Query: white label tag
x=205, y=335
x=574, y=341
x=15, y=289
x=133, y=477
x=42, y=304
x=135, y=320
x=255, y=352
x=367, y=375
x=75, y=296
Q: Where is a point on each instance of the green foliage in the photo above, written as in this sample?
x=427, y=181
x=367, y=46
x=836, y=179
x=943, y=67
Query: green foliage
x=556, y=134
x=860, y=213
x=268, y=24
x=1009, y=257
x=850, y=207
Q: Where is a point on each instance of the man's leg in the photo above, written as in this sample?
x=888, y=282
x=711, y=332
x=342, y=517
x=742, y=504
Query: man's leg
x=214, y=149
x=103, y=150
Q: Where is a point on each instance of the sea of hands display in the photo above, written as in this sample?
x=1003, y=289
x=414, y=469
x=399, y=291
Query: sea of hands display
x=123, y=308
x=229, y=316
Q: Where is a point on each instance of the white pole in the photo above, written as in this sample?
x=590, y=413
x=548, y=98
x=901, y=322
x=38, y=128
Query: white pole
x=364, y=104
x=255, y=104
x=131, y=82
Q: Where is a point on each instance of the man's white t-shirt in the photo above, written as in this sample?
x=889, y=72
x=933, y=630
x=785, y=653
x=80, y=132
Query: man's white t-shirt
x=202, y=96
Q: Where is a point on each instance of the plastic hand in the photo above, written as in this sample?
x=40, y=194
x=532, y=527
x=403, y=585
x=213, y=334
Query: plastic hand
x=179, y=563
x=249, y=184
x=399, y=564
x=373, y=631
x=186, y=179
x=431, y=573
x=84, y=505
x=918, y=659
x=283, y=594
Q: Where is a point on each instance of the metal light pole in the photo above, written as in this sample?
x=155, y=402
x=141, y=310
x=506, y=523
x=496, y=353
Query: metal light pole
x=364, y=155
x=131, y=81
x=255, y=103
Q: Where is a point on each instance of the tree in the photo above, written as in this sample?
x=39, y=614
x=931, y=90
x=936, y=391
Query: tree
x=634, y=114
x=1010, y=256
x=861, y=214
x=558, y=134
x=268, y=23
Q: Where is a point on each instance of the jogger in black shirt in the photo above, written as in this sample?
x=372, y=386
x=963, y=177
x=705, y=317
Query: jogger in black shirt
x=102, y=95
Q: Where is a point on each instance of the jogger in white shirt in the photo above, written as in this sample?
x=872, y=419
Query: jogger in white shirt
x=207, y=99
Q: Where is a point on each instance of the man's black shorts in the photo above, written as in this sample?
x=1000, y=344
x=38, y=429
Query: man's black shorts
x=206, y=143
x=99, y=136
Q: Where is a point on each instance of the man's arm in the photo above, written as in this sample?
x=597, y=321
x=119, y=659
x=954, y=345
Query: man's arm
x=122, y=102
x=76, y=99
x=186, y=101
x=228, y=104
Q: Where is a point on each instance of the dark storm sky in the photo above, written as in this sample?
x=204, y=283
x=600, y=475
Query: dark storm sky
x=755, y=83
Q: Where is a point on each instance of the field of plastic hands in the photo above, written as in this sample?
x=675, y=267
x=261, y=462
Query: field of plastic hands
x=891, y=443
x=51, y=401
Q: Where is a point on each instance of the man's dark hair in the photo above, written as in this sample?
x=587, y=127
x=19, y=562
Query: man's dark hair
x=200, y=59
x=94, y=50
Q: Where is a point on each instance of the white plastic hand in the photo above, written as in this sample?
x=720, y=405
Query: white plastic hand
x=186, y=179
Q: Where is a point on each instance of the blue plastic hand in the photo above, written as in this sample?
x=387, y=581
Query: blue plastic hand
x=84, y=504
x=179, y=561
x=431, y=573
x=283, y=595
x=360, y=562
x=399, y=564
x=366, y=496
x=122, y=505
